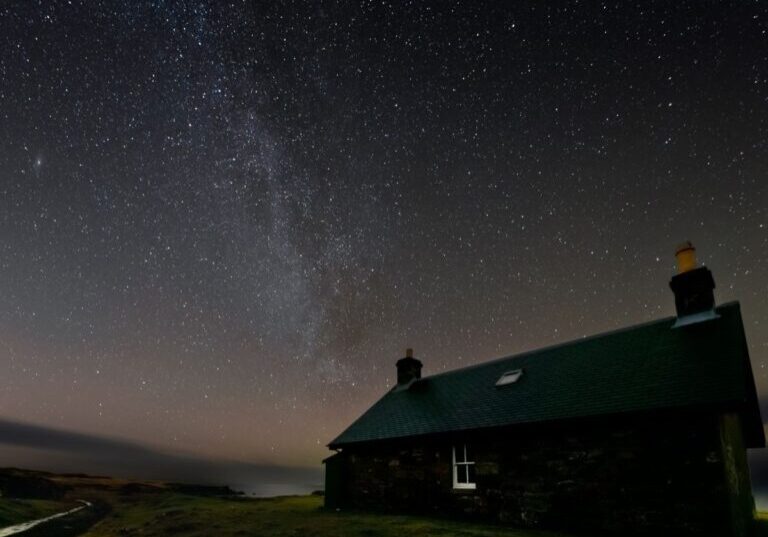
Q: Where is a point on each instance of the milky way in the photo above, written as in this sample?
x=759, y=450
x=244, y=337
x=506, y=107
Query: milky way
x=221, y=223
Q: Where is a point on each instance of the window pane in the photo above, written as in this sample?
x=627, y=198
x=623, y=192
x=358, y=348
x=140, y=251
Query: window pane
x=459, y=453
x=471, y=473
x=461, y=474
x=470, y=457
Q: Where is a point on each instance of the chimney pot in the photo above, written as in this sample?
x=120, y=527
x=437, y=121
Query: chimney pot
x=686, y=257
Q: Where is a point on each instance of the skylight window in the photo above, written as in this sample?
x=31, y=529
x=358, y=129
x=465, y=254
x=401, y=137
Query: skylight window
x=510, y=377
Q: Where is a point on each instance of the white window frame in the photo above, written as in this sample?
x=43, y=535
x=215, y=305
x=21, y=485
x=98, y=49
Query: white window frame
x=464, y=462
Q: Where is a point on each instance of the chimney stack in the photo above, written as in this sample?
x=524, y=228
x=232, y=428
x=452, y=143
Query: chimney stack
x=693, y=286
x=408, y=368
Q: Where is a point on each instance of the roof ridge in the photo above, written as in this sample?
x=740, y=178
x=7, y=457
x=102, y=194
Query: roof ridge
x=569, y=342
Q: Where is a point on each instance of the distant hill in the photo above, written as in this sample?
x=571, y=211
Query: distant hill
x=17, y=483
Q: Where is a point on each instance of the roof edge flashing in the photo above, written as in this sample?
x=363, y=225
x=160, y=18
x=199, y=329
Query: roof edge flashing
x=696, y=318
x=404, y=387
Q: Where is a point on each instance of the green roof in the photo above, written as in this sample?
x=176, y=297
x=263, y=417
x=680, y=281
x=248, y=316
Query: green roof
x=645, y=367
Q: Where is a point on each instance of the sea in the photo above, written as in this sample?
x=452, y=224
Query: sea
x=268, y=490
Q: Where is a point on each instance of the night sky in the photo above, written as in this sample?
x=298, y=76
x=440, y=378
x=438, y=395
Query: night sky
x=221, y=223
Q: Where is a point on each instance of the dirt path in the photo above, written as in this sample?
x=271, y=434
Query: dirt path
x=18, y=528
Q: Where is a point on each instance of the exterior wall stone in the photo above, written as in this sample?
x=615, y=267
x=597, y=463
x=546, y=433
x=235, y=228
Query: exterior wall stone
x=737, y=474
x=632, y=475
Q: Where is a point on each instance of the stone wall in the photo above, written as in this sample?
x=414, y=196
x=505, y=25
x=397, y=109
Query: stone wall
x=737, y=474
x=641, y=475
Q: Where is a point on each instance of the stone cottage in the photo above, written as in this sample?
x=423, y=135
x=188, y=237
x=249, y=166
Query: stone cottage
x=639, y=431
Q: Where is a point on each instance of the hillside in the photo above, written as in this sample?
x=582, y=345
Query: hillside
x=150, y=509
x=154, y=509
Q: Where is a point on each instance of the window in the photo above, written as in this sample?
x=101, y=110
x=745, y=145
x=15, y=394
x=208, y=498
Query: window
x=510, y=377
x=463, y=468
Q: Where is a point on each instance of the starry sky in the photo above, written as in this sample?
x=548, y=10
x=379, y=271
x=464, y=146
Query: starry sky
x=222, y=222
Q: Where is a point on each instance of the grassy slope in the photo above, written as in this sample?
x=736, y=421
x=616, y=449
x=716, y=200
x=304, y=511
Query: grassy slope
x=153, y=509
x=176, y=514
x=13, y=511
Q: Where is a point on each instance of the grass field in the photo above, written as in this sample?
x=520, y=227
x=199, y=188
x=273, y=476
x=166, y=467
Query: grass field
x=289, y=516
x=13, y=511
x=123, y=508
